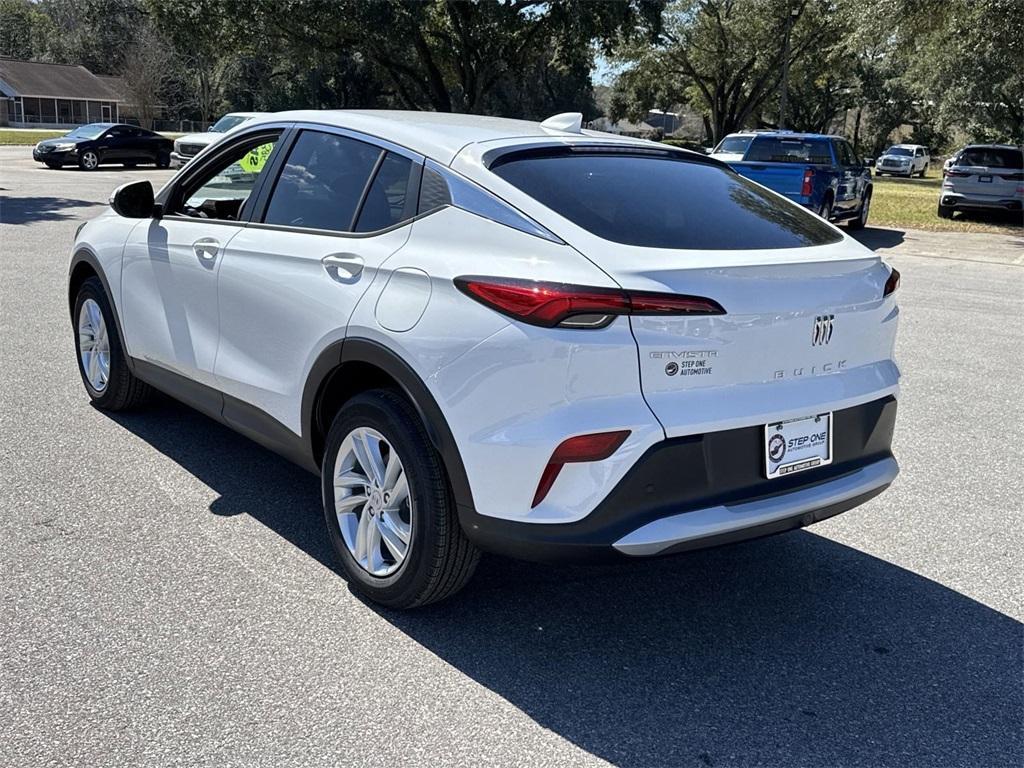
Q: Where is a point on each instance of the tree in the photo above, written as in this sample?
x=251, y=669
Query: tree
x=149, y=71
x=724, y=57
x=22, y=28
x=453, y=55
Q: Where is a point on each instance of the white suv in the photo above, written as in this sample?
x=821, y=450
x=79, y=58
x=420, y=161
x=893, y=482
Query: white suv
x=502, y=335
x=903, y=160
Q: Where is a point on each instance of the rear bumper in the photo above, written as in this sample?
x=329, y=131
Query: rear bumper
x=957, y=200
x=705, y=490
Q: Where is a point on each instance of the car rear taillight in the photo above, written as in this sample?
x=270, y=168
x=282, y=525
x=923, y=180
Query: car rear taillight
x=576, y=306
x=892, y=283
x=805, y=188
x=956, y=174
x=1012, y=176
x=581, y=448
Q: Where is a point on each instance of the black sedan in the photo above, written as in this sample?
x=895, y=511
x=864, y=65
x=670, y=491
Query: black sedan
x=90, y=146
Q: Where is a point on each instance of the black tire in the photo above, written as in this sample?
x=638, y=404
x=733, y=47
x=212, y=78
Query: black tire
x=89, y=160
x=163, y=160
x=861, y=220
x=825, y=209
x=922, y=173
x=440, y=559
x=945, y=211
x=122, y=391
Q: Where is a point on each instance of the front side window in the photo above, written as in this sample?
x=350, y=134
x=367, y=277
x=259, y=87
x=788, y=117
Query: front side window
x=772, y=149
x=660, y=201
x=322, y=182
x=221, y=192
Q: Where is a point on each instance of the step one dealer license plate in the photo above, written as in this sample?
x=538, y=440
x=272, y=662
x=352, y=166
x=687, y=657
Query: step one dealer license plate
x=798, y=444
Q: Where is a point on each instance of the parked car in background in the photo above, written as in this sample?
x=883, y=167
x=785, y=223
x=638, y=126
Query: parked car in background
x=191, y=144
x=732, y=147
x=96, y=144
x=820, y=172
x=983, y=177
x=656, y=354
x=903, y=160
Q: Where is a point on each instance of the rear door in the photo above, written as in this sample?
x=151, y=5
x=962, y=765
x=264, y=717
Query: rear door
x=292, y=278
x=805, y=327
x=849, y=171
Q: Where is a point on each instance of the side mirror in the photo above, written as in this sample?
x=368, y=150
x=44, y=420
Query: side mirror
x=134, y=200
x=210, y=129
x=869, y=161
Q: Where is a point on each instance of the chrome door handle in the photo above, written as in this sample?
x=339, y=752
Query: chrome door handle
x=206, y=248
x=343, y=267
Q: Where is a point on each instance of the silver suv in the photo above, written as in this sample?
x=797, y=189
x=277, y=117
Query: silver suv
x=983, y=176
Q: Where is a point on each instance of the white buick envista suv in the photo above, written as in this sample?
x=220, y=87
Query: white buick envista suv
x=490, y=334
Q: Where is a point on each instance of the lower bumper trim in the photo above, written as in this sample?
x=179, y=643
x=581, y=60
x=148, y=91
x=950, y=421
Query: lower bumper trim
x=711, y=523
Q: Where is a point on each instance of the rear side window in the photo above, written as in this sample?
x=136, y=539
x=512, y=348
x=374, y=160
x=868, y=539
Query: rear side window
x=385, y=203
x=772, y=149
x=992, y=157
x=657, y=201
x=322, y=182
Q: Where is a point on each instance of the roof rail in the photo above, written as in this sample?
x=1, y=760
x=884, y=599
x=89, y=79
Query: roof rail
x=567, y=122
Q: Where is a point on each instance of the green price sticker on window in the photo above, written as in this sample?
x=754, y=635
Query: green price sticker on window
x=256, y=158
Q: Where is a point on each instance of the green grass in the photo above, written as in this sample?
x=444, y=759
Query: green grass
x=9, y=137
x=913, y=203
x=17, y=138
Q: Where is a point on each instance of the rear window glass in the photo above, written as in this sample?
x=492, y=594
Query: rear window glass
x=657, y=201
x=385, y=201
x=767, y=149
x=322, y=182
x=992, y=157
x=736, y=145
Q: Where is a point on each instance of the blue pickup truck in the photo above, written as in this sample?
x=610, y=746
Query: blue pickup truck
x=819, y=172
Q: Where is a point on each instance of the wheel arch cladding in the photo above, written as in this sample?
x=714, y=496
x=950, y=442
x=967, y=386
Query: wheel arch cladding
x=354, y=365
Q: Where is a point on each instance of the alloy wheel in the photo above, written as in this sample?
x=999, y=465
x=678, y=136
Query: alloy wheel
x=90, y=160
x=372, y=502
x=94, y=345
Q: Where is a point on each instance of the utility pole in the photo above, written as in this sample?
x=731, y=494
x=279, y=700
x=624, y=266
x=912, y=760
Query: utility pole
x=784, y=95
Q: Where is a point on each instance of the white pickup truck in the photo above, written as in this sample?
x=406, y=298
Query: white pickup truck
x=192, y=144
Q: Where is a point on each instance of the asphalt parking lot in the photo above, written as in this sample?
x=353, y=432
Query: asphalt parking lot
x=168, y=597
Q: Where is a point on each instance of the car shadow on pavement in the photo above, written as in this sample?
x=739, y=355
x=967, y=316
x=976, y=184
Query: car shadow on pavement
x=793, y=650
x=877, y=237
x=24, y=210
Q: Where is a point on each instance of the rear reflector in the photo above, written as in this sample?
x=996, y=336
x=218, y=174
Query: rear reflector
x=576, y=306
x=892, y=283
x=581, y=448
